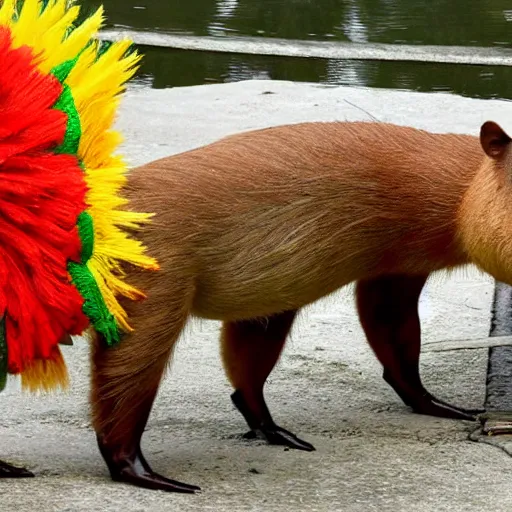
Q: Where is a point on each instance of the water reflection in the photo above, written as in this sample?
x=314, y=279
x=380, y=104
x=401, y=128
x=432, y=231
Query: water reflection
x=444, y=22
x=225, y=10
x=439, y=22
x=353, y=27
x=171, y=68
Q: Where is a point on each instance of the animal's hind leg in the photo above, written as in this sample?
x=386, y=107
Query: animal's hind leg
x=8, y=471
x=250, y=350
x=388, y=310
x=125, y=380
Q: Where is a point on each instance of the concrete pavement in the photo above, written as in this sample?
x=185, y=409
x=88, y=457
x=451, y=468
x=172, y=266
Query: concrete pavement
x=372, y=452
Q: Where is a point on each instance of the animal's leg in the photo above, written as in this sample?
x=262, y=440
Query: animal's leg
x=250, y=350
x=388, y=311
x=8, y=471
x=125, y=381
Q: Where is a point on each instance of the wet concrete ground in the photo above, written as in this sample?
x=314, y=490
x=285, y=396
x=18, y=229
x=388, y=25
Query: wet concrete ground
x=372, y=452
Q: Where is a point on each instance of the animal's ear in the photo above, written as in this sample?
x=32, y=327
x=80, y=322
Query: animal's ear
x=493, y=139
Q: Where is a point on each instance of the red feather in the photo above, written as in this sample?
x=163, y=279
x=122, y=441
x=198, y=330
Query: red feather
x=41, y=196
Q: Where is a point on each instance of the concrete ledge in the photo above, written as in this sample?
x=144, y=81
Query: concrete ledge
x=318, y=49
x=451, y=345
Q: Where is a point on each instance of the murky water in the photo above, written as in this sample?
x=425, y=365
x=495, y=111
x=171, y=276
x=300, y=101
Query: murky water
x=419, y=22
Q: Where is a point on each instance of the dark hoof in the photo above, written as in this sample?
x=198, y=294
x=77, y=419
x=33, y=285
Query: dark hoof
x=474, y=413
x=133, y=469
x=151, y=480
x=422, y=402
x=263, y=427
x=279, y=436
x=438, y=408
x=8, y=471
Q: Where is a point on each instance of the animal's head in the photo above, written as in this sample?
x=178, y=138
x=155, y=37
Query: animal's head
x=485, y=216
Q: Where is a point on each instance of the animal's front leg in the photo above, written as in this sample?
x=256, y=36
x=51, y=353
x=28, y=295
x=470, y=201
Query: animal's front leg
x=388, y=310
x=125, y=381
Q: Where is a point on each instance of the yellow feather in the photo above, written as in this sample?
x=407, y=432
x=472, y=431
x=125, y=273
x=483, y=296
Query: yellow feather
x=49, y=32
x=7, y=8
x=46, y=374
x=96, y=83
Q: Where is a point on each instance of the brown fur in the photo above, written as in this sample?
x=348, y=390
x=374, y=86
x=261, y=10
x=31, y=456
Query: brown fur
x=250, y=350
x=266, y=222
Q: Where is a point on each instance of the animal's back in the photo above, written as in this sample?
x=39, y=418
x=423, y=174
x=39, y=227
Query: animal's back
x=274, y=219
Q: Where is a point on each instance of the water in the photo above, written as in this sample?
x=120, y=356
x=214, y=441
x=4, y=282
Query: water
x=469, y=23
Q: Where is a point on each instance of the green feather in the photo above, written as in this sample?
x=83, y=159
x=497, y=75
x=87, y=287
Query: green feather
x=86, y=232
x=62, y=71
x=94, y=304
x=66, y=104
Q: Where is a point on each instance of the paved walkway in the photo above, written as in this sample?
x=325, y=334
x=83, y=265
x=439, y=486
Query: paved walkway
x=372, y=454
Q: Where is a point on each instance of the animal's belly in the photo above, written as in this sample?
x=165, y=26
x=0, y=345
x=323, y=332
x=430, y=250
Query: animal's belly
x=253, y=292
